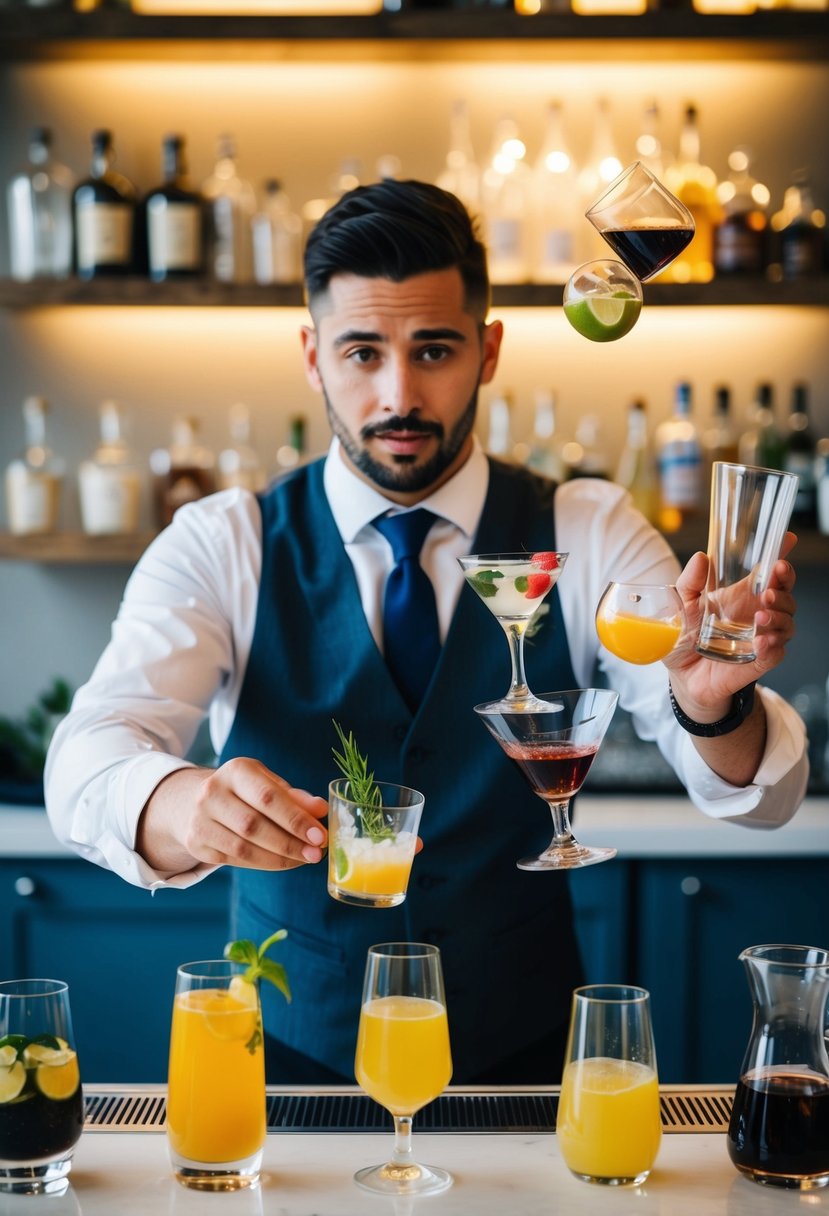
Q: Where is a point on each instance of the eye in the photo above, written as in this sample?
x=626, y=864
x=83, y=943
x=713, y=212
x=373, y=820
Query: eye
x=362, y=354
x=434, y=353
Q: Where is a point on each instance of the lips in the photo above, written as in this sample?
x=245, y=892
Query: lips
x=404, y=443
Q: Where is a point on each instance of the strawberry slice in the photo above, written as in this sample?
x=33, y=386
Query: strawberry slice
x=537, y=585
x=545, y=561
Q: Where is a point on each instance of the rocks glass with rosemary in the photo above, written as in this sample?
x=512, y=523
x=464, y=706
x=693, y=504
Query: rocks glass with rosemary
x=371, y=842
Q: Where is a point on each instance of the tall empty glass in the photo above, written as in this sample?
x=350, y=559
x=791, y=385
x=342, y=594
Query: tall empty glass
x=609, y=1125
x=749, y=515
x=41, y=1102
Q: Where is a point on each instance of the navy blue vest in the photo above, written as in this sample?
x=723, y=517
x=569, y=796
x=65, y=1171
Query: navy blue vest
x=509, y=956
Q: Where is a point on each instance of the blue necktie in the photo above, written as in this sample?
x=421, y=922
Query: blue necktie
x=411, y=636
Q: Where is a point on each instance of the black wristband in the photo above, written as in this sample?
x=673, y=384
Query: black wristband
x=741, y=707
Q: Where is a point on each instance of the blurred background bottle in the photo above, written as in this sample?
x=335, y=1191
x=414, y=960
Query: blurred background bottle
x=800, y=457
x=637, y=467
x=175, y=219
x=104, y=206
x=230, y=203
x=585, y=455
x=649, y=143
x=110, y=481
x=506, y=196
x=679, y=464
x=741, y=237
x=461, y=174
x=555, y=204
x=762, y=443
x=599, y=169
x=182, y=472
x=39, y=201
x=35, y=479
x=239, y=463
x=720, y=440
x=292, y=453
x=799, y=233
x=695, y=185
x=544, y=449
x=499, y=438
x=277, y=238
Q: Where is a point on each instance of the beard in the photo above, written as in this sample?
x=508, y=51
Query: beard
x=404, y=476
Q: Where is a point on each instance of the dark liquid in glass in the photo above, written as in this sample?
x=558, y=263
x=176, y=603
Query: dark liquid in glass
x=780, y=1124
x=646, y=251
x=34, y=1127
x=554, y=770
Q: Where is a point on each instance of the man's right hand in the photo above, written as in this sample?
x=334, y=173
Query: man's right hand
x=240, y=814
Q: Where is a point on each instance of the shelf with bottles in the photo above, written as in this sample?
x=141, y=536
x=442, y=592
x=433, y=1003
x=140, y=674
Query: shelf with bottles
x=75, y=548
x=44, y=33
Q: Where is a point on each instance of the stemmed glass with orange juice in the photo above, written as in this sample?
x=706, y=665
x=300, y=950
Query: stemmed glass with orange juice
x=639, y=622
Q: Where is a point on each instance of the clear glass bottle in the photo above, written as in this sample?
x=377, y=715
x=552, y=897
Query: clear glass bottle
x=649, y=143
x=799, y=233
x=695, y=185
x=104, y=213
x=595, y=175
x=762, y=442
x=544, y=455
x=585, y=455
x=741, y=237
x=293, y=453
x=461, y=173
x=800, y=457
x=555, y=204
x=34, y=481
x=720, y=440
x=637, y=466
x=230, y=203
x=110, y=481
x=175, y=219
x=506, y=196
x=39, y=202
x=239, y=463
x=679, y=464
x=183, y=472
x=499, y=440
x=277, y=238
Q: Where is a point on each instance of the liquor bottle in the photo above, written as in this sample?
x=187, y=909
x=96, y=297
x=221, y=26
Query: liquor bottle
x=800, y=457
x=183, y=472
x=798, y=233
x=585, y=454
x=175, y=220
x=104, y=207
x=648, y=143
x=555, y=204
x=544, y=454
x=720, y=440
x=499, y=440
x=292, y=453
x=239, y=463
x=110, y=481
x=461, y=173
x=506, y=195
x=762, y=444
x=595, y=175
x=741, y=237
x=679, y=464
x=230, y=202
x=822, y=490
x=34, y=480
x=695, y=185
x=39, y=201
x=637, y=466
x=277, y=238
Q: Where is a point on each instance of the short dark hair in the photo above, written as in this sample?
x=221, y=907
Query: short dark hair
x=394, y=230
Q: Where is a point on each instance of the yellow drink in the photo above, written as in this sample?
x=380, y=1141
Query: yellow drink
x=216, y=1099
x=608, y=1123
x=403, y=1059
x=379, y=872
x=638, y=639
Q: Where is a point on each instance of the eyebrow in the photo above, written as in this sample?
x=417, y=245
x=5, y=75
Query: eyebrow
x=443, y=333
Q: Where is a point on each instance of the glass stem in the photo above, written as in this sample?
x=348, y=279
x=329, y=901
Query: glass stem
x=515, y=631
x=402, y=1154
x=562, y=832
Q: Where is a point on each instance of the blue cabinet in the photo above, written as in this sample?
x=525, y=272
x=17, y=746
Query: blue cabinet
x=116, y=946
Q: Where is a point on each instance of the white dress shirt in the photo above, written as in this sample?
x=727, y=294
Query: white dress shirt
x=181, y=642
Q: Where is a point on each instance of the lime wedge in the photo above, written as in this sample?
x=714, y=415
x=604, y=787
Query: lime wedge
x=603, y=318
x=12, y=1080
x=342, y=866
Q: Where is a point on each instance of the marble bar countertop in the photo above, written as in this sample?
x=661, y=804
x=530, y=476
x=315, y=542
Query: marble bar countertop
x=128, y=1174
x=638, y=825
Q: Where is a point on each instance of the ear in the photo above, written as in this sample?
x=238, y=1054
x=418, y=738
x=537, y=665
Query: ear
x=493, y=333
x=309, y=355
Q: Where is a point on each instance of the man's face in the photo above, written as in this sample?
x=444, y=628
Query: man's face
x=399, y=365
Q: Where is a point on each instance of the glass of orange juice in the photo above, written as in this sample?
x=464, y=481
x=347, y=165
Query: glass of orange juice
x=403, y=1059
x=216, y=1085
x=371, y=846
x=609, y=1126
x=639, y=622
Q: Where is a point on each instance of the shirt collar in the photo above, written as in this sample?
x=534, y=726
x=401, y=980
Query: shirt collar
x=354, y=503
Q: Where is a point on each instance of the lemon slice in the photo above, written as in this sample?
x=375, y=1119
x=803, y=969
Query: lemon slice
x=40, y=1053
x=342, y=865
x=229, y=1017
x=59, y=1080
x=12, y=1080
x=603, y=318
x=8, y=1056
x=243, y=991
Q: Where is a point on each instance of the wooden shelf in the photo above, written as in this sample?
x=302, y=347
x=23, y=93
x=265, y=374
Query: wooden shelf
x=679, y=34
x=203, y=293
x=74, y=548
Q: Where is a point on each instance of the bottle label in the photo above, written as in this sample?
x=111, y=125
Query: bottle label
x=104, y=234
x=32, y=499
x=557, y=248
x=110, y=500
x=174, y=236
x=505, y=236
x=680, y=476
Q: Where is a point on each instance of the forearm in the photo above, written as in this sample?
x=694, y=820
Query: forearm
x=736, y=757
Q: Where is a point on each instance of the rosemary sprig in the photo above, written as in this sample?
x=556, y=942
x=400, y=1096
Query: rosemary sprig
x=363, y=788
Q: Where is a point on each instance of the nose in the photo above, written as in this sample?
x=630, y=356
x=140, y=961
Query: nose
x=400, y=391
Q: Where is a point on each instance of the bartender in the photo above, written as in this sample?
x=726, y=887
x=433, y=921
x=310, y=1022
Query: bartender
x=267, y=614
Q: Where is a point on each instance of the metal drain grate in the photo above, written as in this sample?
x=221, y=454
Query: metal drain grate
x=458, y=1112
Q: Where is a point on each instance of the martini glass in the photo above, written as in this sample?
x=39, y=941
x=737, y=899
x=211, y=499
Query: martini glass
x=639, y=622
x=554, y=743
x=513, y=585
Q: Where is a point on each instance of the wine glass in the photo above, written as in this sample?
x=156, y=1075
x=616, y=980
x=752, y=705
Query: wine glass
x=554, y=743
x=403, y=1060
x=513, y=585
x=639, y=622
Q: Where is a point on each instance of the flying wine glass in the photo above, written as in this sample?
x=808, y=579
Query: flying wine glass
x=639, y=622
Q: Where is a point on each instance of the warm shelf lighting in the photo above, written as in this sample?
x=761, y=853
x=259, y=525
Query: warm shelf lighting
x=258, y=8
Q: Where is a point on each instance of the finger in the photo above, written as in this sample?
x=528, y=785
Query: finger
x=783, y=575
x=692, y=580
x=296, y=812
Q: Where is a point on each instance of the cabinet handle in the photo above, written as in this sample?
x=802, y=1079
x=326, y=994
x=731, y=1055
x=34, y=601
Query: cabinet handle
x=24, y=886
x=690, y=885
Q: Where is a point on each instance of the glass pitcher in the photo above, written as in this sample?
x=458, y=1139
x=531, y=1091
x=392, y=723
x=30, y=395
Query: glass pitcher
x=779, y=1131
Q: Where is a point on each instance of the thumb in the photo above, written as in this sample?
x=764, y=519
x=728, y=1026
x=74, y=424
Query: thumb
x=692, y=580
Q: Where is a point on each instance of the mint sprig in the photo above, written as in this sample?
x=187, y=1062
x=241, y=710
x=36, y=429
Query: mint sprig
x=259, y=967
x=363, y=789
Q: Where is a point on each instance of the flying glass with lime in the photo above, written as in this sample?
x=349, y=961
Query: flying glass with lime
x=41, y=1101
x=371, y=842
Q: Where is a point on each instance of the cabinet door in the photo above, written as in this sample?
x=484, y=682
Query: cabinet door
x=601, y=911
x=694, y=920
x=117, y=947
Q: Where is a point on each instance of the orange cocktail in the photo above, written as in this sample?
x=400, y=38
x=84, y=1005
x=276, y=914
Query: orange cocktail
x=637, y=639
x=403, y=1059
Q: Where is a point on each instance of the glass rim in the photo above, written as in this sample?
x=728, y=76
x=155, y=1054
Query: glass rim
x=755, y=468
x=621, y=177
x=763, y=954
x=27, y=988
x=499, y=709
x=382, y=785
x=614, y=994
x=409, y=950
x=514, y=556
x=228, y=964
